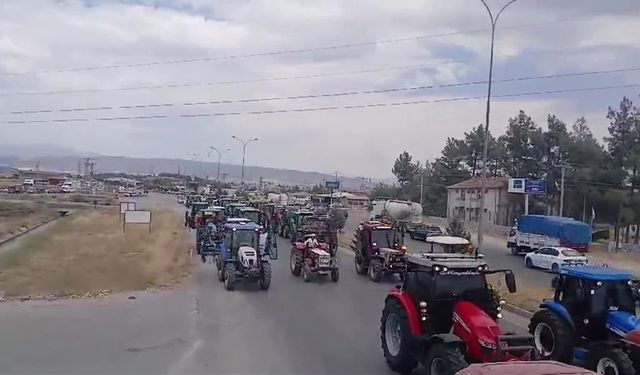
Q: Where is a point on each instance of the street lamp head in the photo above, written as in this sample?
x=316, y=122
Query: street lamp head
x=255, y=139
x=233, y=136
x=227, y=149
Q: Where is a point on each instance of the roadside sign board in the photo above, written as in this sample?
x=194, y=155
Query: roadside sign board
x=137, y=217
x=527, y=186
x=127, y=206
x=332, y=185
x=516, y=185
x=535, y=187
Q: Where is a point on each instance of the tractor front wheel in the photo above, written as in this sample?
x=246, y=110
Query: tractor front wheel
x=444, y=359
x=219, y=269
x=375, y=270
x=265, y=276
x=335, y=275
x=360, y=267
x=229, y=276
x=607, y=360
x=394, y=334
x=295, y=263
x=552, y=336
x=306, y=273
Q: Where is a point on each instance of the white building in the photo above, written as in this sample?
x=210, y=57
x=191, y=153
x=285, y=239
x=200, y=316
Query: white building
x=463, y=201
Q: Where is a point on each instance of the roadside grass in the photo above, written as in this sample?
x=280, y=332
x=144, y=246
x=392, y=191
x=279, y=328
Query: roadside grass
x=16, y=217
x=527, y=296
x=89, y=253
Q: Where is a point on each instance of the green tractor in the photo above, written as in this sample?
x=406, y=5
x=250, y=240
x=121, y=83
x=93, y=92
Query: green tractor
x=233, y=209
x=194, y=209
x=295, y=223
x=250, y=213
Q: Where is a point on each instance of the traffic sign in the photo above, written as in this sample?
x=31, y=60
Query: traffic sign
x=535, y=187
x=332, y=184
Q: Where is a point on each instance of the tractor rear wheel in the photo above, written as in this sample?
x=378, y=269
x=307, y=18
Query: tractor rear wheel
x=607, y=360
x=375, y=270
x=394, y=334
x=360, y=267
x=229, y=276
x=444, y=359
x=552, y=336
x=295, y=263
x=265, y=277
x=335, y=275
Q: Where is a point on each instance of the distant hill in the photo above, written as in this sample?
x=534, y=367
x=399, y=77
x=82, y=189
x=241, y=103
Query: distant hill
x=159, y=165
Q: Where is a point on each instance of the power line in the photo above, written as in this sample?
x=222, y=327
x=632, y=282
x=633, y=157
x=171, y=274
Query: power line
x=326, y=95
x=197, y=84
x=320, y=109
x=281, y=52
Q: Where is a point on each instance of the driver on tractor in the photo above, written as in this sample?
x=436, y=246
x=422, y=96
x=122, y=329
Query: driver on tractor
x=311, y=242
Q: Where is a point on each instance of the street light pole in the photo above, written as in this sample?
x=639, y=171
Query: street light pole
x=244, y=151
x=485, y=146
x=219, y=158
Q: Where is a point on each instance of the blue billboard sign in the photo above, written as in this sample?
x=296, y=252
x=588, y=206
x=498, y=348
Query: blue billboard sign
x=535, y=186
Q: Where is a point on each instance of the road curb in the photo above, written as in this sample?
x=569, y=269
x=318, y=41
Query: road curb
x=16, y=236
x=518, y=310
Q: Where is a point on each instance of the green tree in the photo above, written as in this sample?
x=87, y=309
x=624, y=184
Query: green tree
x=383, y=191
x=456, y=229
x=405, y=170
x=523, y=147
x=473, y=149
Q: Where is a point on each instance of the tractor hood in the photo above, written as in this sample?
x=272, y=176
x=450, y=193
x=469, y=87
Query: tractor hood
x=633, y=338
x=622, y=322
x=386, y=250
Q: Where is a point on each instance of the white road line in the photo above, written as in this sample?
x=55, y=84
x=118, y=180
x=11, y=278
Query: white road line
x=186, y=357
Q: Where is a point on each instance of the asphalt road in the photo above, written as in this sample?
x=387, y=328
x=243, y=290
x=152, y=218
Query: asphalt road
x=294, y=327
x=495, y=250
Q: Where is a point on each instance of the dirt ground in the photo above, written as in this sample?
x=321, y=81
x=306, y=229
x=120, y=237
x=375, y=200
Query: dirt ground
x=18, y=217
x=527, y=296
x=88, y=253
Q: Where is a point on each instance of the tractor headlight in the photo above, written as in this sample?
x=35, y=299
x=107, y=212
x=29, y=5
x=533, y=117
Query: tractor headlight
x=423, y=304
x=502, y=302
x=445, y=269
x=486, y=344
x=436, y=268
x=499, y=315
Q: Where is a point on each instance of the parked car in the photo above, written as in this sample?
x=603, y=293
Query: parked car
x=552, y=258
x=421, y=232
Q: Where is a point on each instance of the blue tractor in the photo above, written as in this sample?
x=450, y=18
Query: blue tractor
x=241, y=255
x=591, y=320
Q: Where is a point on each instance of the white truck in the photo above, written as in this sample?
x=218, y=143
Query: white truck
x=534, y=232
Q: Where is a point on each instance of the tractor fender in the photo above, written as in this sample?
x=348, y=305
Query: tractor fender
x=409, y=307
x=559, y=309
x=444, y=338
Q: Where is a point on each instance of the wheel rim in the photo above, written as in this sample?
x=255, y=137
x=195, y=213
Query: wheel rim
x=392, y=334
x=554, y=267
x=358, y=265
x=528, y=262
x=436, y=367
x=606, y=366
x=372, y=273
x=544, y=339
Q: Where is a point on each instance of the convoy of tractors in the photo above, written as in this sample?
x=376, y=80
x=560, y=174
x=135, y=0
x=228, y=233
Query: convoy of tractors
x=444, y=314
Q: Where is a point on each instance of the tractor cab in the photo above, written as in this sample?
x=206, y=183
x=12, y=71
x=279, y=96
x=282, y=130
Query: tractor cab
x=233, y=209
x=195, y=209
x=449, y=312
x=379, y=250
x=447, y=244
x=241, y=257
x=591, y=319
x=250, y=213
x=296, y=221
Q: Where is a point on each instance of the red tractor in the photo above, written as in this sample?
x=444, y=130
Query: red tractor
x=313, y=260
x=441, y=317
x=379, y=250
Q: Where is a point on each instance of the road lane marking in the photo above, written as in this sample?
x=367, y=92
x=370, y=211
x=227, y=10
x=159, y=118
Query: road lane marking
x=186, y=357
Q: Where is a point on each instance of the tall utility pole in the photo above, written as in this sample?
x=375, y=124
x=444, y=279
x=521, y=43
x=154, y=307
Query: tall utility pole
x=563, y=168
x=485, y=146
x=219, y=157
x=244, y=151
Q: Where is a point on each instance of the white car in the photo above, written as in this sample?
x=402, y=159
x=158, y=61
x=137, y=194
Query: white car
x=552, y=258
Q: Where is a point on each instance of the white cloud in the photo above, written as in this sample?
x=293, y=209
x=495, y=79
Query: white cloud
x=44, y=35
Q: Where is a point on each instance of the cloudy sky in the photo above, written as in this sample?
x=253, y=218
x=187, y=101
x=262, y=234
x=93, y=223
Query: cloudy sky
x=164, y=56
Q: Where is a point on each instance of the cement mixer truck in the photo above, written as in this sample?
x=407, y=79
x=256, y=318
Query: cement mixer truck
x=404, y=215
x=278, y=198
